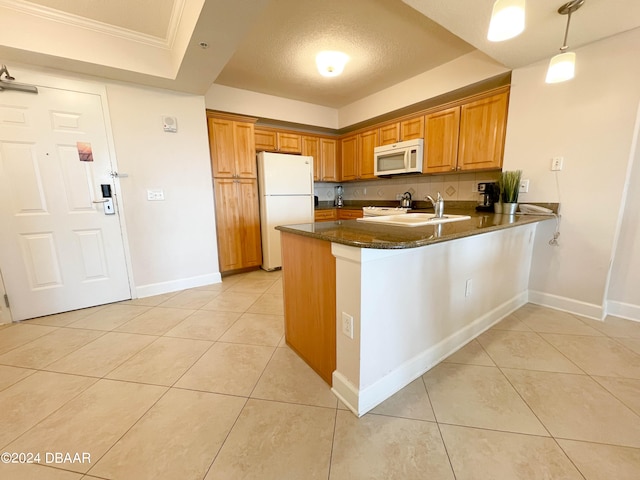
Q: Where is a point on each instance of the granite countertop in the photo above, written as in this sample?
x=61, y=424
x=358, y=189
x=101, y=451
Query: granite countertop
x=371, y=235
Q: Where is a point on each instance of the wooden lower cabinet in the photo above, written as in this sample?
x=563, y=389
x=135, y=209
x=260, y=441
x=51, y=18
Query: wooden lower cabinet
x=237, y=223
x=349, y=214
x=309, y=285
x=325, y=215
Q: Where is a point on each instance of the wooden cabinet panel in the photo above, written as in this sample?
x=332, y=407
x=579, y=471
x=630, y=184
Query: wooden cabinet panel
x=441, y=140
x=247, y=192
x=289, y=143
x=482, y=132
x=390, y=134
x=349, y=149
x=265, y=140
x=309, y=286
x=268, y=140
x=412, y=128
x=232, y=148
x=325, y=215
x=329, y=159
x=367, y=141
x=245, y=150
x=311, y=147
x=349, y=214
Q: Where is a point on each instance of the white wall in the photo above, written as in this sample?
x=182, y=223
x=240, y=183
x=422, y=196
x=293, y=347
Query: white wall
x=590, y=122
x=172, y=242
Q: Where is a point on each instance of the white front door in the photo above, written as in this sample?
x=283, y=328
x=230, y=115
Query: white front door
x=59, y=251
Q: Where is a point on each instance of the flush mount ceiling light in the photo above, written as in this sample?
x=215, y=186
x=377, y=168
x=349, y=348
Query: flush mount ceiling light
x=562, y=67
x=507, y=20
x=331, y=63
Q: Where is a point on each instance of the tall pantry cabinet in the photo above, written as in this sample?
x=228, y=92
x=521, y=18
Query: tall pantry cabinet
x=235, y=183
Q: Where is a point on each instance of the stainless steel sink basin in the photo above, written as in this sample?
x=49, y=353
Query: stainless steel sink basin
x=414, y=219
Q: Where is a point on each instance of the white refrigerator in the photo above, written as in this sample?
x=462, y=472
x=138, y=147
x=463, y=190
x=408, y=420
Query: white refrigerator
x=285, y=184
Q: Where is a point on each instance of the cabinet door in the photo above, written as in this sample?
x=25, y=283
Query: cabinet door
x=441, y=140
x=349, y=214
x=227, y=224
x=349, y=149
x=289, y=143
x=390, y=134
x=249, y=232
x=222, y=146
x=265, y=140
x=412, y=128
x=245, y=151
x=329, y=158
x=367, y=142
x=482, y=131
x=325, y=215
x=311, y=147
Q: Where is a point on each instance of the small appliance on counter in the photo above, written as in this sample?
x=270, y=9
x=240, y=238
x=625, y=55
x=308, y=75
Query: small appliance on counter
x=489, y=194
x=339, y=201
x=405, y=202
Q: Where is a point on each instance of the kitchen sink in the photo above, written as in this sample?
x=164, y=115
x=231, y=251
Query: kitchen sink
x=414, y=219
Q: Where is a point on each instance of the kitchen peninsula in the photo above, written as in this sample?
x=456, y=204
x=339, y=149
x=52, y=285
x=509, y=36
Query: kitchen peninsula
x=371, y=307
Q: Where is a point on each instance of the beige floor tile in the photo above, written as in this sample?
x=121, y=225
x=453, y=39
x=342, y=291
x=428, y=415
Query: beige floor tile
x=36, y=472
x=177, y=439
x=51, y=347
x=276, y=288
x=511, y=322
x=632, y=344
x=548, y=320
x=255, y=284
x=377, y=447
x=98, y=358
x=109, y=317
x=288, y=378
x=471, y=354
x=204, y=325
x=526, y=350
x=256, y=329
x=576, y=407
x=276, y=441
x=28, y=402
x=410, y=402
x=268, y=304
x=152, y=301
x=18, y=334
x=229, y=301
x=603, y=462
x=191, y=299
x=478, y=396
x=156, y=321
x=11, y=375
x=597, y=355
x=92, y=422
x=65, y=318
x=161, y=363
x=627, y=390
x=228, y=368
x=488, y=454
x=616, y=327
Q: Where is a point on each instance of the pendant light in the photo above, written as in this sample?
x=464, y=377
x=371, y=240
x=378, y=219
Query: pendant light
x=507, y=20
x=562, y=66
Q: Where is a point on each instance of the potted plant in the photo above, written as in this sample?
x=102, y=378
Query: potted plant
x=509, y=189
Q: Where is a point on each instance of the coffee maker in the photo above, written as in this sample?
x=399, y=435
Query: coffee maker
x=338, y=200
x=489, y=194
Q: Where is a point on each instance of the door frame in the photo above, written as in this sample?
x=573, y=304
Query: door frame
x=62, y=81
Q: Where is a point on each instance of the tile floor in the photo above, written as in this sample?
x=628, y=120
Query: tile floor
x=200, y=385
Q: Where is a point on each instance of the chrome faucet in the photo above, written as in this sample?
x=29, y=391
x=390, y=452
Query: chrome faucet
x=438, y=205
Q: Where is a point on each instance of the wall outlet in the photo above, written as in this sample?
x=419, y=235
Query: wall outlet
x=398, y=196
x=556, y=163
x=467, y=287
x=155, y=194
x=347, y=325
x=524, y=186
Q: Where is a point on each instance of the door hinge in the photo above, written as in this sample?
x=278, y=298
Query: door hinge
x=6, y=300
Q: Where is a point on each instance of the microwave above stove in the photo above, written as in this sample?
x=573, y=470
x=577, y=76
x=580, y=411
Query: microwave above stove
x=398, y=158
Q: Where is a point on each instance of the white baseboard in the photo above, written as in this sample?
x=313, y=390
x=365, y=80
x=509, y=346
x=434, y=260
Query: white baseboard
x=361, y=401
x=176, y=285
x=623, y=310
x=577, y=307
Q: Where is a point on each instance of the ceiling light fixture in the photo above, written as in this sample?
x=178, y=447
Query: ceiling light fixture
x=507, y=20
x=331, y=63
x=562, y=67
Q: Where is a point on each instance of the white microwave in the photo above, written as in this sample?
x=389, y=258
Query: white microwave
x=398, y=158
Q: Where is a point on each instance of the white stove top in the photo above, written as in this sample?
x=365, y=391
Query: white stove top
x=382, y=211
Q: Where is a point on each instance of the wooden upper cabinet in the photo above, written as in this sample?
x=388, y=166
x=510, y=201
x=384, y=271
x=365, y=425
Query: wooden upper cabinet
x=265, y=140
x=441, y=140
x=367, y=141
x=412, y=128
x=482, y=132
x=349, y=149
x=274, y=141
x=329, y=159
x=311, y=147
x=289, y=143
x=390, y=134
x=232, y=148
